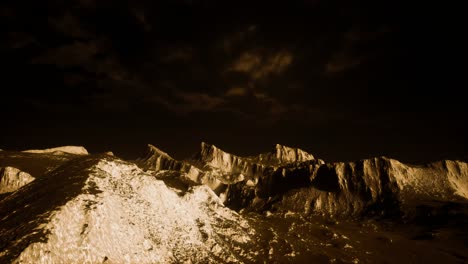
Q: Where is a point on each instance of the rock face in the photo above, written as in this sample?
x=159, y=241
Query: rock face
x=381, y=184
x=101, y=209
x=373, y=186
x=11, y=179
x=250, y=167
x=283, y=155
x=289, y=179
x=77, y=150
x=229, y=167
x=105, y=209
x=219, y=169
x=157, y=160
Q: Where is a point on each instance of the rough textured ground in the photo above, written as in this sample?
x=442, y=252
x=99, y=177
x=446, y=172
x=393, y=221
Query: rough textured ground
x=284, y=206
x=100, y=208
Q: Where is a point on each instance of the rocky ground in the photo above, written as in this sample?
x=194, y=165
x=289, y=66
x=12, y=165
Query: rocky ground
x=65, y=205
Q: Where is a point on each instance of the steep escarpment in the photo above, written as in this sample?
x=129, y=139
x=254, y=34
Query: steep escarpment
x=289, y=179
x=105, y=209
x=215, y=159
x=219, y=169
x=254, y=166
x=374, y=186
x=99, y=209
x=157, y=159
x=282, y=155
x=182, y=172
x=251, y=170
x=262, y=192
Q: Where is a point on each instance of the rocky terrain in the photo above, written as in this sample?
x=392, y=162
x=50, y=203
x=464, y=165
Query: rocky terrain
x=64, y=205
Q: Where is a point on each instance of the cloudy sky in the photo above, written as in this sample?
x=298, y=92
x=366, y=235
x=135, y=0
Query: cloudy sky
x=341, y=80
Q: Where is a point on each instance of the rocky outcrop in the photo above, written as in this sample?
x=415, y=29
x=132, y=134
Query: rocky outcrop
x=250, y=167
x=76, y=150
x=282, y=155
x=158, y=160
x=11, y=179
x=218, y=169
x=106, y=210
x=258, y=178
x=233, y=167
x=98, y=208
x=380, y=186
x=291, y=179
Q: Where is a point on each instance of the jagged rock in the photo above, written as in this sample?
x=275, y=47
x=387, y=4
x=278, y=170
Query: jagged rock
x=283, y=155
x=217, y=168
x=105, y=209
x=258, y=177
x=291, y=179
x=98, y=208
x=156, y=160
x=77, y=150
x=377, y=185
x=259, y=193
x=11, y=179
x=228, y=164
x=250, y=166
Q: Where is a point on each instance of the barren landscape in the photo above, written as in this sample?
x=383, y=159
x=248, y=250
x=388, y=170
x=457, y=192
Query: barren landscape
x=65, y=205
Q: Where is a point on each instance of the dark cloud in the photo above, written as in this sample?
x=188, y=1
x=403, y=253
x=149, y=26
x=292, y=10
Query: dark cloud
x=325, y=75
x=259, y=66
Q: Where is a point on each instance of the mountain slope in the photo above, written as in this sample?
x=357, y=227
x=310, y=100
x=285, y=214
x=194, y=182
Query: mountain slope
x=36, y=164
x=380, y=184
x=218, y=169
x=107, y=209
x=291, y=179
x=282, y=155
x=183, y=172
x=293, y=208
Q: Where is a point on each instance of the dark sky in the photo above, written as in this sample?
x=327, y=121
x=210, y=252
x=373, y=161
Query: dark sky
x=343, y=80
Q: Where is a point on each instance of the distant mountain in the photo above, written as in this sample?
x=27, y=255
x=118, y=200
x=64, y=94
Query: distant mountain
x=219, y=169
x=282, y=155
x=292, y=179
x=38, y=162
x=183, y=172
x=77, y=150
x=376, y=186
x=282, y=206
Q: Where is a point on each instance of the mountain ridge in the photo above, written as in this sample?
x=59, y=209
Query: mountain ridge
x=116, y=208
x=216, y=207
x=337, y=188
x=77, y=150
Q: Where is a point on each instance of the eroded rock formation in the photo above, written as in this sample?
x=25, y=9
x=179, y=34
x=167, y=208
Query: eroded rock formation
x=11, y=179
x=292, y=179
